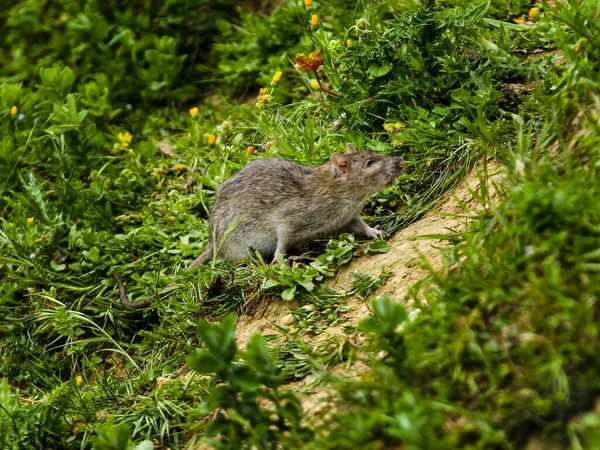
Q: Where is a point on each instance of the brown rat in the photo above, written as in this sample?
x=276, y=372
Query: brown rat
x=273, y=204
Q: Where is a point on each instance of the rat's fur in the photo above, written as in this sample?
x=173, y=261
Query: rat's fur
x=273, y=204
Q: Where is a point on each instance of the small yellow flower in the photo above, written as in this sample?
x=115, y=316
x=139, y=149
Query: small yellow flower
x=348, y=42
x=180, y=167
x=292, y=328
x=520, y=20
x=250, y=150
x=156, y=172
x=277, y=76
x=79, y=379
x=263, y=91
x=533, y=12
x=30, y=220
x=14, y=111
x=194, y=111
x=388, y=127
x=308, y=3
x=124, y=138
x=314, y=84
x=212, y=139
x=314, y=21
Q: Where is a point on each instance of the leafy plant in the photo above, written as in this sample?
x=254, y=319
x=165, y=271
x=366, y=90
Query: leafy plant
x=244, y=388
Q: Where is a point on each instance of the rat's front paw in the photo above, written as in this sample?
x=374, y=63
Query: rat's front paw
x=373, y=233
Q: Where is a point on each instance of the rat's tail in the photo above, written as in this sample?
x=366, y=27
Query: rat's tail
x=206, y=256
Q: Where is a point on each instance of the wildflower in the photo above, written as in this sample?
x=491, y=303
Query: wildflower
x=156, y=172
x=79, y=380
x=20, y=116
x=194, y=111
x=180, y=167
x=308, y=3
x=30, y=220
x=212, y=139
x=536, y=124
x=250, y=150
x=31, y=255
x=124, y=138
x=13, y=111
x=276, y=77
x=128, y=106
x=309, y=63
x=292, y=329
x=577, y=48
x=348, y=42
x=533, y=12
x=362, y=26
x=390, y=127
x=314, y=84
x=314, y=21
x=263, y=100
x=520, y=20
x=263, y=91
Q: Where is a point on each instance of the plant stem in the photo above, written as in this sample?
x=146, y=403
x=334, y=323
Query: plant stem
x=321, y=86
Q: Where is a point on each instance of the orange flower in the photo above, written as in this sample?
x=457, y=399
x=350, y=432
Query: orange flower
x=212, y=139
x=308, y=3
x=263, y=91
x=194, y=111
x=314, y=21
x=533, y=12
x=520, y=20
x=180, y=167
x=348, y=42
x=309, y=63
x=250, y=150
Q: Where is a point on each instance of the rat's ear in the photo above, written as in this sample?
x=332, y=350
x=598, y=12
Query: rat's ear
x=350, y=148
x=339, y=162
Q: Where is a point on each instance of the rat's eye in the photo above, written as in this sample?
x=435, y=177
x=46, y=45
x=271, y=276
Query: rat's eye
x=370, y=162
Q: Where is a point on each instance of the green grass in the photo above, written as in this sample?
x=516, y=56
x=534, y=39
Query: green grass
x=103, y=168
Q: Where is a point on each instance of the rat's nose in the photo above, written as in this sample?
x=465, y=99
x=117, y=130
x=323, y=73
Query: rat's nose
x=400, y=160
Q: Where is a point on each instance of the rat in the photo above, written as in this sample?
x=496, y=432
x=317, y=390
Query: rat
x=274, y=204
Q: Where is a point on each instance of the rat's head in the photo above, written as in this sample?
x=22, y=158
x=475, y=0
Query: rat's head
x=367, y=172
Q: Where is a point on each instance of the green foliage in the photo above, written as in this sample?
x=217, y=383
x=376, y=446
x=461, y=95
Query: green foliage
x=244, y=389
x=116, y=437
x=104, y=167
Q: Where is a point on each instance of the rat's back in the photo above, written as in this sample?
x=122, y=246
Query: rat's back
x=271, y=177
x=246, y=203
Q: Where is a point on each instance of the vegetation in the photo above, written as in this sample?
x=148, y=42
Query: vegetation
x=119, y=120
